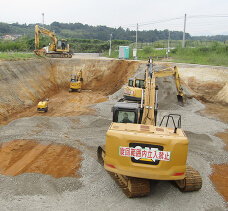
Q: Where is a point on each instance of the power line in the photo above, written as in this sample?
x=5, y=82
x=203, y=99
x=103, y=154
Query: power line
x=205, y=22
x=151, y=22
x=210, y=16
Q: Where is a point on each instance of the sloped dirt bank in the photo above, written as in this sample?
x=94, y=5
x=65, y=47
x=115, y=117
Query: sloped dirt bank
x=24, y=83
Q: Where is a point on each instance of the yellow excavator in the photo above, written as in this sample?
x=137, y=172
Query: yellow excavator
x=133, y=92
x=57, y=49
x=76, y=82
x=137, y=150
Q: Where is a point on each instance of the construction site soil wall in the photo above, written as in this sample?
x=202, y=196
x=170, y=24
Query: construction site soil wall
x=24, y=83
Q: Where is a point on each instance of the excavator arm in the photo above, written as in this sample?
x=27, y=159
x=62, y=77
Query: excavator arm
x=41, y=30
x=172, y=71
x=148, y=117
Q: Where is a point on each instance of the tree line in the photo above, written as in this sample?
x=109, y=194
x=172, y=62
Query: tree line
x=84, y=38
x=85, y=31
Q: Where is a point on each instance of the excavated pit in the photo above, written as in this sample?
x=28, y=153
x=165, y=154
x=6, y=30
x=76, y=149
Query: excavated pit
x=24, y=83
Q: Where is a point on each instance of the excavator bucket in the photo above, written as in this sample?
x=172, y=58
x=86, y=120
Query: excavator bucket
x=181, y=98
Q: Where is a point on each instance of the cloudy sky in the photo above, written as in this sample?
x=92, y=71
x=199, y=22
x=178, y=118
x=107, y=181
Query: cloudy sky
x=204, y=17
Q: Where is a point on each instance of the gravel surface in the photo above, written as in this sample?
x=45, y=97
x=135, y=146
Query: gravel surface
x=95, y=190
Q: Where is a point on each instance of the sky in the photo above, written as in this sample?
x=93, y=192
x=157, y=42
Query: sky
x=203, y=17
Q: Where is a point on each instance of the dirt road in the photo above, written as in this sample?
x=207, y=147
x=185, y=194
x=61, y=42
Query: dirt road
x=48, y=161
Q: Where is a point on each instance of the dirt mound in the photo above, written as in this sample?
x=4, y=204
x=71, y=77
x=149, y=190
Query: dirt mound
x=29, y=156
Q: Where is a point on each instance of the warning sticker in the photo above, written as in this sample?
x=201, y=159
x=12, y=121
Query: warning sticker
x=147, y=153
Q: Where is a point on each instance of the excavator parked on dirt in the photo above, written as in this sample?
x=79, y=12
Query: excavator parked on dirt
x=76, y=82
x=137, y=150
x=133, y=91
x=42, y=106
x=59, y=48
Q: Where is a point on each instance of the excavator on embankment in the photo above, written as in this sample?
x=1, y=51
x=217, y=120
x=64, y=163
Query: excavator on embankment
x=137, y=150
x=133, y=91
x=57, y=49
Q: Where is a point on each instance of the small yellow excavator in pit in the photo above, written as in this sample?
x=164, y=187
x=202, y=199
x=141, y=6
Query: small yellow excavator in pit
x=42, y=106
x=57, y=49
x=76, y=82
x=139, y=151
x=133, y=92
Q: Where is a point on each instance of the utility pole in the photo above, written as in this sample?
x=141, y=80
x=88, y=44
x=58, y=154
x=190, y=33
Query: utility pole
x=136, y=42
x=110, y=44
x=168, y=46
x=43, y=19
x=183, y=44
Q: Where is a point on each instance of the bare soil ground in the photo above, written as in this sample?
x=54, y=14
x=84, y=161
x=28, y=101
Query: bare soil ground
x=63, y=104
x=59, y=160
x=219, y=176
x=29, y=156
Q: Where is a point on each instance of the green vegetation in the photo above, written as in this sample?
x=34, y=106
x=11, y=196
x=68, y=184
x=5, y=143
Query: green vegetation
x=12, y=56
x=213, y=55
x=210, y=53
x=90, y=39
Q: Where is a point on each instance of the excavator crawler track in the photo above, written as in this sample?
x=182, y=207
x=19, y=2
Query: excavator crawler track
x=132, y=187
x=191, y=182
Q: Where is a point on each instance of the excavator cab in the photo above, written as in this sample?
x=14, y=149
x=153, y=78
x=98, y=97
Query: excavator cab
x=74, y=78
x=123, y=111
x=133, y=91
x=62, y=45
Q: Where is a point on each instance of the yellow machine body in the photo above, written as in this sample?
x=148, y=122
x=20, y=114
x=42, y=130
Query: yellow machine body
x=42, y=106
x=58, y=48
x=76, y=81
x=138, y=150
x=122, y=139
x=133, y=91
x=75, y=85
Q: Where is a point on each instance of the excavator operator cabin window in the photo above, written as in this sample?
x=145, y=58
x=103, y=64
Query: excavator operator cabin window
x=126, y=116
x=139, y=83
x=59, y=44
x=130, y=82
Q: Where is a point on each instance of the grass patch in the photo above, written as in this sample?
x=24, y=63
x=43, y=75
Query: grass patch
x=214, y=55
x=12, y=56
